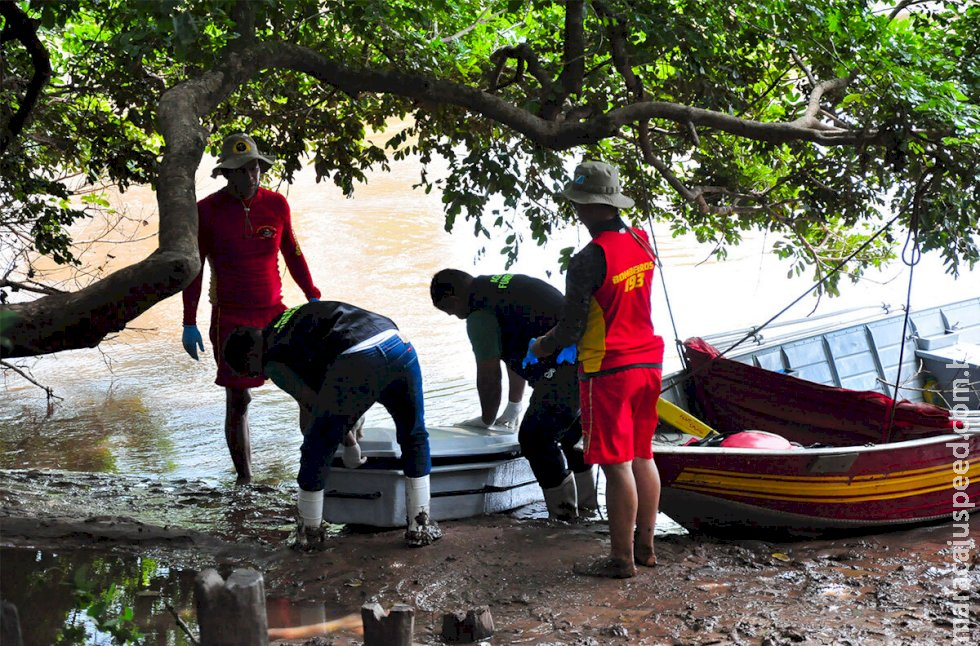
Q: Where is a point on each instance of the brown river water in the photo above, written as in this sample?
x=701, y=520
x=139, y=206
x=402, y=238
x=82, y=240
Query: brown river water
x=139, y=405
x=137, y=434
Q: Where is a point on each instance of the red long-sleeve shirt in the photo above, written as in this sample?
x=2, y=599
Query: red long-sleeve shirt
x=242, y=247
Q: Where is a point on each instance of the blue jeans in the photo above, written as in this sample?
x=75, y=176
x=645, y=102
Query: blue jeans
x=387, y=373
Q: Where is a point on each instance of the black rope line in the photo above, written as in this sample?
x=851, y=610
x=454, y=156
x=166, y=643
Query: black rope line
x=911, y=257
x=663, y=281
x=754, y=331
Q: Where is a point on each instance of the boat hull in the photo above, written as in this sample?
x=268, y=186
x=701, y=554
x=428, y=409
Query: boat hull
x=818, y=490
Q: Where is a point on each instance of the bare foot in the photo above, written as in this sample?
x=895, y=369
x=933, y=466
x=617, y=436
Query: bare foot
x=608, y=568
x=644, y=556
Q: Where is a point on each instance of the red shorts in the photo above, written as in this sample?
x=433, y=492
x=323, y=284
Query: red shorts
x=223, y=321
x=619, y=415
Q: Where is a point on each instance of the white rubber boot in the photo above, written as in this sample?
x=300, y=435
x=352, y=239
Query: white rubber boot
x=560, y=500
x=585, y=491
x=310, y=529
x=422, y=530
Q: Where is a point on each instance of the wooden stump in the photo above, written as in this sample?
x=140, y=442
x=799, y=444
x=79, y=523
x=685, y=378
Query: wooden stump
x=232, y=612
x=474, y=625
x=9, y=625
x=393, y=628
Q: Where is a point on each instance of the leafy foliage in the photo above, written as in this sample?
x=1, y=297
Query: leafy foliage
x=907, y=100
x=103, y=607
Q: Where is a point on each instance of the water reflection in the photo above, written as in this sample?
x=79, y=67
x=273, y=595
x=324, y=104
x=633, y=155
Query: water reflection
x=78, y=597
x=86, y=598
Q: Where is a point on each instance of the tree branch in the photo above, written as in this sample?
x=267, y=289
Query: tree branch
x=243, y=13
x=28, y=287
x=482, y=18
x=904, y=4
x=48, y=390
x=573, y=69
x=803, y=66
x=550, y=134
x=620, y=55
x=19, y=26
x=521, y=52
x=809, y=117
x=84, y=318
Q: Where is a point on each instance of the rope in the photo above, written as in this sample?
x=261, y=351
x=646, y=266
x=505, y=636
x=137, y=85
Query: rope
x=911, y=257
x=754, y=331
x=663, y=282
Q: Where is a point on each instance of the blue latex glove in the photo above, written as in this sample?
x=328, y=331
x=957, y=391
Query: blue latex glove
x=529, y=359
x=192, y=340
x=568, y=354
x=314, y=300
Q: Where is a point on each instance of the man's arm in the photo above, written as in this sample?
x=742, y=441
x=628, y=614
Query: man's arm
x=511, y=416
x=293, y=255
x=516, y=386
x=191, y=295
x=190, y=338
x=488, y=376
x=586, y=272
x=484, y=334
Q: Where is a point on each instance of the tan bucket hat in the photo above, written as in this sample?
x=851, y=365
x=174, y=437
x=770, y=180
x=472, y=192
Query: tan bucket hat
x=596, y=182
x=236, y=151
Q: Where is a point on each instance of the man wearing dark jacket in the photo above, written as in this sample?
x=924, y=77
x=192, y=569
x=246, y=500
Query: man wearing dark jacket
x=337, y=360
x=503, y=314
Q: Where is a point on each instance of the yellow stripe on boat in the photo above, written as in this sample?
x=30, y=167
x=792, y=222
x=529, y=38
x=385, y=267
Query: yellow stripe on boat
x=823, y=488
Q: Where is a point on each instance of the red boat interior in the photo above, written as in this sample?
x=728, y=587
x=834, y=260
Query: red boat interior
x=732, y=396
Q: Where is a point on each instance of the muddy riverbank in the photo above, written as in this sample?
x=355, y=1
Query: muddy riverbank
x=890, y=588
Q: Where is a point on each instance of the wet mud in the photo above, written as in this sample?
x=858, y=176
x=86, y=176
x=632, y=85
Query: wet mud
x=885, y=588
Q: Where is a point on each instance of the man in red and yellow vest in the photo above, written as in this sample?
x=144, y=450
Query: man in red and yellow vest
x=607, y=315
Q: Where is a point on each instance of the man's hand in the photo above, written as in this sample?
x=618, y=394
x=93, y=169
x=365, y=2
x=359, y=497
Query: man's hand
x=356, y=431
x=568, y=354
x=511, y=416
x=191, y=339
x=476, y=422
x=352, y=456
x=530, y=358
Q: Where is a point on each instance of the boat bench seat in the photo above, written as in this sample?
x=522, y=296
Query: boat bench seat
x=937, y=341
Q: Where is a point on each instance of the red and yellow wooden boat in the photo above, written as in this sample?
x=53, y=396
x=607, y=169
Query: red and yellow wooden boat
x=854, y=459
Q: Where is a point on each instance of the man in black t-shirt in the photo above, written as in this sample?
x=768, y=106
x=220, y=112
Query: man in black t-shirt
x=337, y=360
x=503, y=314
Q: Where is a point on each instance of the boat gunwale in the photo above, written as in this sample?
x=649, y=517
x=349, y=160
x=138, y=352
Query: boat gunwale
x=856, y=448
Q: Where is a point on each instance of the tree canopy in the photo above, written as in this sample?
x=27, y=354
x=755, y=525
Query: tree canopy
x=820, y=122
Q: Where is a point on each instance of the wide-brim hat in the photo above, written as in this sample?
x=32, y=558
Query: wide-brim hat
x=238, y=150
x=596, y=183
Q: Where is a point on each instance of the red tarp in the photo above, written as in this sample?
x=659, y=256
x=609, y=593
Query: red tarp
x=735, y=396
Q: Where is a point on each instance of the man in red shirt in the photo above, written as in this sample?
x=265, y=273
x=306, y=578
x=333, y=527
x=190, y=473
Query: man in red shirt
x=608, y=315
x=242, y=228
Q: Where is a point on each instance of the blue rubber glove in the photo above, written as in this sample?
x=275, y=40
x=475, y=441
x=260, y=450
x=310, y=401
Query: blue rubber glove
x=529, y=359
x=192, y=340
x=568, y=354
x=314, y=300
